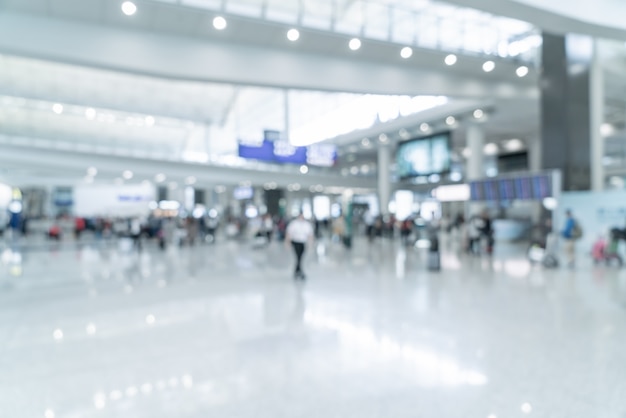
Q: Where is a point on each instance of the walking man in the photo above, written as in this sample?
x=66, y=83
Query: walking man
x=571, y=232
x=299, y=232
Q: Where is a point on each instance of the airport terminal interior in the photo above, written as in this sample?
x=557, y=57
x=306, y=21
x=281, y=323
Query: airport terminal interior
x=312, y=208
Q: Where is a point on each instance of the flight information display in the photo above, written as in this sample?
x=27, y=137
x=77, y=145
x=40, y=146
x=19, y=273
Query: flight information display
x=530, y=187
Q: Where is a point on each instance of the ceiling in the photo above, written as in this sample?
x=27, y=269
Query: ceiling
x=110, y=109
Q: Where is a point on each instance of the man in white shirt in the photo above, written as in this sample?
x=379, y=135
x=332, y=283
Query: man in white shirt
x=299, y=232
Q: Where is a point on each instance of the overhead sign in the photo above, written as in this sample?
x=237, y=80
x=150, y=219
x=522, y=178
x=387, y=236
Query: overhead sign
x=113, y=200
x=281, y=151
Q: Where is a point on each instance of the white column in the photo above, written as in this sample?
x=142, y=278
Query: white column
x=534, y=154
x=384, y=177
x=475, y=143
x=596, y=107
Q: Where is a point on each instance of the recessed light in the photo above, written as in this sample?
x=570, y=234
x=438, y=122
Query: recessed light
x=90, y=113
x=514, y=145
x=190, y=180
x=522, y=71
x=489, y=66
x=57, y=108
x=406, y=52
x=490, y=149
x=160, y=178
x=129, y=8
x=127, y=174
x=365, y=142
x=219, y=23
x=355, y=43
x=478, y=113
x=450, y=59
x=92, y=171
x=450, y=120
x=304, y=169
x=150, y=120
x=293, y=35
x=424, y=127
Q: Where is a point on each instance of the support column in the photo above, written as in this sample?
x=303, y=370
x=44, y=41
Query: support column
x=597, y=119
x=476, y=144
x=384, y=178
x=565, y=108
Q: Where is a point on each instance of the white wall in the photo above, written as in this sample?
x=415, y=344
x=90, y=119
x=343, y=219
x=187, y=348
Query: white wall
x=596, y=212
x=113, y=200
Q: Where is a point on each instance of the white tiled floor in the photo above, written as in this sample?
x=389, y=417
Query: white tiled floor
x=223, y=331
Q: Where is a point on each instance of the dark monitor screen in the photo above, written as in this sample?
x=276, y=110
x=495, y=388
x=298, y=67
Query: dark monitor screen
x=424, y=156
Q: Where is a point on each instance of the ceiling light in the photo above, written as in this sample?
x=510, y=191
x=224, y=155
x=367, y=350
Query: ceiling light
x=160, y=178
x=406, y=52
x=383, y=138
x=424, y=127
x=149, y=120
x=489, y=66
x=606, y=129
x=514, y=145
x=92, y=171
x=129, y=8
x=522, y=71
x=355, y=43
x=478, y=113
x=527, y=408
x=466, y=152
x=304, y=169
x=219, y=23
x=490, y=149
x=404, y=134
x=49, y=413
x=451, y=59
x=450, y=120
x=90, y=113
x=365, y=142
x=293, y=35
x=127, y=174
x=190, y=180
x=57, y=108
x=354, y=170
x=296, y=187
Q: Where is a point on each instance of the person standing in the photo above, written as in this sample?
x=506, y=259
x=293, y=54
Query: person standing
x=571, y=232
x=298, y=233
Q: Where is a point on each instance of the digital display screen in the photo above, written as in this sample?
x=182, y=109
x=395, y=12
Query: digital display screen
x=424, y=156
x=243, y=193
x=536, y=187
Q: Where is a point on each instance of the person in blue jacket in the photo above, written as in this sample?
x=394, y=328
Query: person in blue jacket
x=568, y=234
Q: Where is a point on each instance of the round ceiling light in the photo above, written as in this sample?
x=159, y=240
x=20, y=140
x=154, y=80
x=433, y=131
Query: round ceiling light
x=489, y=66
x=478, y=113
x=522, y=71
x=293, y=35
x=450, y=120
x=354, y=44
x=219, y=23
x=57, y=108
x=451, y=59
x=129, y=8
x=406, y=52
x=424, y=127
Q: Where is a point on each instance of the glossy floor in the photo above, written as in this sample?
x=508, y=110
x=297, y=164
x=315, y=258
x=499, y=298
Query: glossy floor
x=224, y=331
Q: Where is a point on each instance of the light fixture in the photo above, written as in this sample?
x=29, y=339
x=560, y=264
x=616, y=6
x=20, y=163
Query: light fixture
x=606, y=129
x=424, y=127
x=404, y=134
x=489, y=66
x=478, y=113
x=527, y=408
x=466, y=152
x=490, y=149
x=149, y=120
x=57, y=108
x=406, y=52
x=129, y=8
x=293, y=35
x=127, y=174
x=522, y=71
x=450, y=120
x=513, y=145
x=450, y=59
x=365, y=142
x=150, y=319
x=160, y=178
x=219, y=23
x=92, y=171
x=383, y=138
x=190, y=180
x=49, y=413
x=354, y=170
x=304, y=169
x=90, y=113
x=354, y=44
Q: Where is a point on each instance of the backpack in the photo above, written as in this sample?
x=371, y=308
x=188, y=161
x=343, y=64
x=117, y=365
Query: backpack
x=577, y=231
